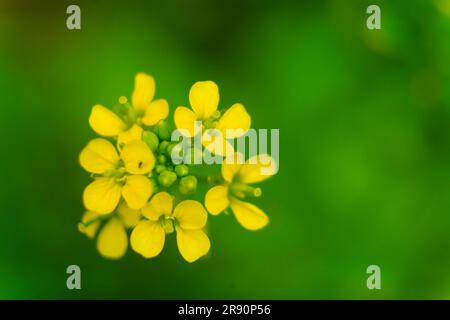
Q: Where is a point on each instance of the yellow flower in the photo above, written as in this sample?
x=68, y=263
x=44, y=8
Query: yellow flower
x=188, y=219
x=112, y=240
x=117, y=176
x=204, y=100
x=144, y=111
x=237, y=179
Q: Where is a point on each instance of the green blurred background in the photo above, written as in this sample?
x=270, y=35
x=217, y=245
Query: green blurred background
x=364, y=119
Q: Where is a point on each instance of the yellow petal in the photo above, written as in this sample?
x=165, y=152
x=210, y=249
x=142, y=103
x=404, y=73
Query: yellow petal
x=130, y=217
x=148, y=238
x=102, y=195
x=215, y=142
x=204, y=98
x=248, y=215
x=112, y=241
x=134, y=133
x=144, y=91
x=192, y=244
x=185, y=118
x=136, y=191
x=98, y=156
x=160, y=204
x=92, y=228
x=105, y=122
x=231, y=166
x=216, y=199
x=137, y=157
x=235, y=122
x=190, y=214
x=157, y=110
x=257, y=168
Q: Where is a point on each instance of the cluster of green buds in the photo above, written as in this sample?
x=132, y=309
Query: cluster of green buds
x=166, y=174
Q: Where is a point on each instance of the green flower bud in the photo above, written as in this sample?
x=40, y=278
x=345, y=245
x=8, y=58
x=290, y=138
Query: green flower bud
x=188, y=185
x=160, y=168
x=163, y=146
x=151, y=140
x=167, y=178
x=162, y=159
x=169, y=149
x=182, y=170
x=154, y=182
x=163, y=130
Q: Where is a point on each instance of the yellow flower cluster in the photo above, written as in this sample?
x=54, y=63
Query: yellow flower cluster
x=136, y=185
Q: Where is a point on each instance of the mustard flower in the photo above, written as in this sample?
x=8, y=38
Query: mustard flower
x=204, y=100
x=237, y=180
x=144, y=111
x=126, y=175
x=112, y=240
x=188, y=219
x=116, y=176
